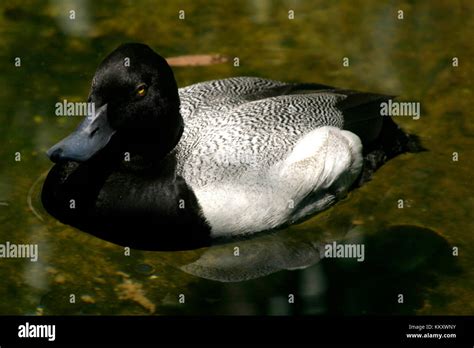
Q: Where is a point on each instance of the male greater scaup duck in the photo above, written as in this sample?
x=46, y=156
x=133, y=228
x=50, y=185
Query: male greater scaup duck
x=162, y=168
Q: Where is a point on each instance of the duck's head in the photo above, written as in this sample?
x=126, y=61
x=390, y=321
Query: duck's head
x=136, y=106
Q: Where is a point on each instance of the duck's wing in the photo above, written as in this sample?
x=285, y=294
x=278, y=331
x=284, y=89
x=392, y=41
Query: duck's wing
x=252, y=136
x=241, y=124
x=360, y=110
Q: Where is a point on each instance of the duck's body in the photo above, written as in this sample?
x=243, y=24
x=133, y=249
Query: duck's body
x=253, y=149
x=254, y=154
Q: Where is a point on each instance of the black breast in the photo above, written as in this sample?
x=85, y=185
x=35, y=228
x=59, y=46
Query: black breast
x=152, y=210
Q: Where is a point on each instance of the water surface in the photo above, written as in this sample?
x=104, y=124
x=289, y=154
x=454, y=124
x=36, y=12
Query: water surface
x=409, y=250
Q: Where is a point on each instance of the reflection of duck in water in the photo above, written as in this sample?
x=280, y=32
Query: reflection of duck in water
x=162, y=168
x=402, y=259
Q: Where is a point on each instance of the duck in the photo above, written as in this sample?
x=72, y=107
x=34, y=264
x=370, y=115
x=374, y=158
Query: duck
x=157, y=167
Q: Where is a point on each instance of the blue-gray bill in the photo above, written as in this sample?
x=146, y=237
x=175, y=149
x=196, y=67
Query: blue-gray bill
x=92, y=135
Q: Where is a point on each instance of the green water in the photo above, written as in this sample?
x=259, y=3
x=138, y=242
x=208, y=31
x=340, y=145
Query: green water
x=409, y=251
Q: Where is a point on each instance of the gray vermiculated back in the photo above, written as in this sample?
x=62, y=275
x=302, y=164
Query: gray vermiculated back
x=244, y=124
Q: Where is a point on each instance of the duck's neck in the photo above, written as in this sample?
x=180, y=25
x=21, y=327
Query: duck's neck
x=147, y=148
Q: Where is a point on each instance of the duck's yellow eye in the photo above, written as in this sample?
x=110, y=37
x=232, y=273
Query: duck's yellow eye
x=141, y=91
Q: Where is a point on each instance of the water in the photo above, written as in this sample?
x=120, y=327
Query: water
x=409, y=251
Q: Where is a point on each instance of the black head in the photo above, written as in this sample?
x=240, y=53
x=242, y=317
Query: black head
x=136, y=106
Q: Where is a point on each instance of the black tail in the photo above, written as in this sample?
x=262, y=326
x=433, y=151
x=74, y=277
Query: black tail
x=391, y=142
x=381, y=137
